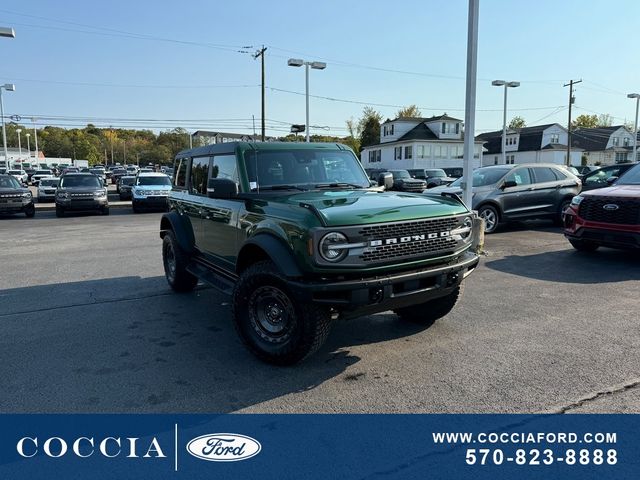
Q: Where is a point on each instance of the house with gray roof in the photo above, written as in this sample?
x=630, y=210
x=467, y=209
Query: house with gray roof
x=605, y=145
x=537, y=144
x=412, y=142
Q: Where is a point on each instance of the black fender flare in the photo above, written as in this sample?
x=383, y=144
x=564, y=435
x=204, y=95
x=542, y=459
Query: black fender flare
x=279, y=253
x=181, y=227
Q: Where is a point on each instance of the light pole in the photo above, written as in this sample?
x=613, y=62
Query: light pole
x=7, y=32
x=500, y=83
x=28, y=146
x=635, y=125
x=35, y=137
x=297, y=62
x=19, y=131
x=9, y=87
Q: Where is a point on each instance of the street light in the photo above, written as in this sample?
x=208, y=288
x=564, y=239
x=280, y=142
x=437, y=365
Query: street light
x=28, y=146
x=298, y=62
x=635, y=126
x=35, y=137
x=19, y=131
x=502, y=83
x=9, y=87
x=7, y=32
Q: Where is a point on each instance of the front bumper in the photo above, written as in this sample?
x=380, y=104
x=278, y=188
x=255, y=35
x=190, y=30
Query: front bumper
x=363, y=296
x=82, y=204
x=15, y=207
x=160, y=202
x=605, y=234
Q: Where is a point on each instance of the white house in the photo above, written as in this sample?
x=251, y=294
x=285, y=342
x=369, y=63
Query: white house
x=539, y=144
x=407, y=142
x=605, y=145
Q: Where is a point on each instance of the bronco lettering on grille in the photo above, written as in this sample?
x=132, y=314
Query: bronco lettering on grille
x=408, y=239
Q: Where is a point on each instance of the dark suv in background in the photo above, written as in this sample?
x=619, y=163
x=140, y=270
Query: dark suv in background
x=14, y=198
x=81, y=192
x=434, y=177
x=503, y=193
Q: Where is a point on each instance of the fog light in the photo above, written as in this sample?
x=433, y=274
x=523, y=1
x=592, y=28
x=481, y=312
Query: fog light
x=452, y=279
x=376, y=295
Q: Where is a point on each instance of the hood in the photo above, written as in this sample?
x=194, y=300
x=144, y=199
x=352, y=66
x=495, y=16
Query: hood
x=363, y=207
x=13, y=191
x=626, y=191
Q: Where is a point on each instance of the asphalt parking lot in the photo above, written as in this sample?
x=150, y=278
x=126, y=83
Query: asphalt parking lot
x=90, y=325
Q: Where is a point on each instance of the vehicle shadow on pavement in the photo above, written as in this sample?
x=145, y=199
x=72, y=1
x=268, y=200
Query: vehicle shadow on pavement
x=129, y=344
x=570, y=266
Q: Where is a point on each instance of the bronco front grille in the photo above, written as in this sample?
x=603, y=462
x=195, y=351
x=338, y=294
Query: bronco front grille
x=618, y=211
x=403, y=239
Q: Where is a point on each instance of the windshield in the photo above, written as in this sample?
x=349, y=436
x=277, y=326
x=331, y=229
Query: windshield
x=630, y=177
x=43, y=172
x=49, y=182
x=127, y=180
x=15, y=172
x=9, y=182
x=153, y=181
x=484, y=176
x=400, y=174
x=96, y=170
x=436, y=173
x=304, y=169
x=88, y=181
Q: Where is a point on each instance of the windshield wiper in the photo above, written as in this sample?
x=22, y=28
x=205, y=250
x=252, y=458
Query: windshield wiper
x=282, y=187
x=337, y=185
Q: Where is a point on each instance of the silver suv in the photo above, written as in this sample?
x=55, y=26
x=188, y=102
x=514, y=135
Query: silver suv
x=502, y=193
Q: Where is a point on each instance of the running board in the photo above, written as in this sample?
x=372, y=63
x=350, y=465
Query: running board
x=216, y=280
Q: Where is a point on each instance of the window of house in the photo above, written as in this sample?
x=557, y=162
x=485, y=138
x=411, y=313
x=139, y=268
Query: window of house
x=457, y=128
x=397, y=153
x=626, y=141
x=457, y=151
x=199, y=175
x=444, y=127
x=180, y=175
x=384, y=131
x=621, y=157
x=378, y=155
x=495, y=160
x=408, y=152
x=616, y=141
x=555, y=138
x=391, y=129
x=476, y=152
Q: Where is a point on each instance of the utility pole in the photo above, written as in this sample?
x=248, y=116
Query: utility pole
x=260, y=53
x=571, y=100
x=470, y=101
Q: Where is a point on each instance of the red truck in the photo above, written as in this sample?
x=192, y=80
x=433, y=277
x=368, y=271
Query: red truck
x=606, y=217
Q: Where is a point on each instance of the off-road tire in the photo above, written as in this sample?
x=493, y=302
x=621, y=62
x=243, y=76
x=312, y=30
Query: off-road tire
x=584, y=246
x=175, y=261
x=306, y=326
x=427, y=313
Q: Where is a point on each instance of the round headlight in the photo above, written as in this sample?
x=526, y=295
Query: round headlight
x=327, y=243
x=26, y=195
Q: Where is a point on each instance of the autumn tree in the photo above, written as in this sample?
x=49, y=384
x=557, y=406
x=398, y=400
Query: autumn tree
x=411, y=111
x=369, y=126
x=517, y=123
x=592, y=121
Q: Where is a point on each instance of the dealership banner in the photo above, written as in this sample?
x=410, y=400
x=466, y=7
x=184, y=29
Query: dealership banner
x=319, y=446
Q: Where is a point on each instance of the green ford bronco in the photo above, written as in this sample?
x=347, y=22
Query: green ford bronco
x=299, y=237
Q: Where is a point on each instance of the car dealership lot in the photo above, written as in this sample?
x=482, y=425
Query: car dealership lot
x=90, y=325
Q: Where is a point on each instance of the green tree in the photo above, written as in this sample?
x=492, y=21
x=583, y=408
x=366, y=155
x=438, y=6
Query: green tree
x=517, y=123
x=369, y=125
x=592, y=121
x=410, y=111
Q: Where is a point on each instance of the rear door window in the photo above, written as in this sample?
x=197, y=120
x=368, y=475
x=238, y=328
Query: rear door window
x=180, y=173
x=544, y=175
x=521, y=176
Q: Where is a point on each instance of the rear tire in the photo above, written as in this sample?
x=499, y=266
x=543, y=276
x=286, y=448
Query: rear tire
x=491, y=218
x=270, y=323
x=427, y=313
x=175, y=261
x=584, y=246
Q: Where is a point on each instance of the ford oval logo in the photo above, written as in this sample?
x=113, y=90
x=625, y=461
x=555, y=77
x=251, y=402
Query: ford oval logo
x=224, y=447
x=610, y=206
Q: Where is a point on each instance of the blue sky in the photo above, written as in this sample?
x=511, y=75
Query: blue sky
x=162, y=61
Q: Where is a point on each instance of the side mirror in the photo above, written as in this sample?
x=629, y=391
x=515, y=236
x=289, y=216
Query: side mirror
x=509, y=184
x=385, y=180
x=222, y=188
x=611, y=180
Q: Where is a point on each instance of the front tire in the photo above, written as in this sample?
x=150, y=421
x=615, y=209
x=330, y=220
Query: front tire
x=30, y=212
x=269, y=321
x=59, y=212
x=427, y=313
x=105, y=211
x=584, y=246
x=175, y=261
x=491, y=218
x=563, y=206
